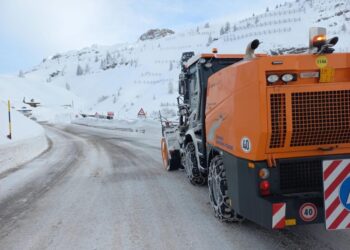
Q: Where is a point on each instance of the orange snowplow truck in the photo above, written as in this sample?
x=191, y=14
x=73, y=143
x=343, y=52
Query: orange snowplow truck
x=270, y=135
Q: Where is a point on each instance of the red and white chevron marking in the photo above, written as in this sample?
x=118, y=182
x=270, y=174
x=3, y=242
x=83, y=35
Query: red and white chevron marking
x=278, y=215
x=334, y=173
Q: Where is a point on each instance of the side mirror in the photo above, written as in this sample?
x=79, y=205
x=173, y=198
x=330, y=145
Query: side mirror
x=181, y=87
x=182, y=81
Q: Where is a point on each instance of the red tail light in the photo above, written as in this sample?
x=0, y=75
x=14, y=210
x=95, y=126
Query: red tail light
x=264, y=188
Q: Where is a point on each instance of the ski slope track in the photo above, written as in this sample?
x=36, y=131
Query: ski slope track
x=106, y=189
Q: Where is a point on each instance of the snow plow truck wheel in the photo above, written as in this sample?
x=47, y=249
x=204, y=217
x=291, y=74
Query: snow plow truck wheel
x=174, y=162
x=219, y=199
x=191, y=166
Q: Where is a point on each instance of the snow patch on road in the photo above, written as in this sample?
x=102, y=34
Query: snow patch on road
x=28, y=139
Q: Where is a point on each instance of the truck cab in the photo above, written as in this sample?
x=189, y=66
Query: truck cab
x=193, y=83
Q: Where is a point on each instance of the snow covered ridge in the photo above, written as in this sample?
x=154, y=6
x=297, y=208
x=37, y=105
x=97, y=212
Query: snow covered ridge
x=124, y=78
x=28, y=140
x=156, y=34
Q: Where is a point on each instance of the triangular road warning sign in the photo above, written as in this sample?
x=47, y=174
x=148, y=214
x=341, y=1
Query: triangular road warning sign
x=141, y=112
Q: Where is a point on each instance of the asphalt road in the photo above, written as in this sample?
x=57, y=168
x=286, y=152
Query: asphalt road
x=102, y=189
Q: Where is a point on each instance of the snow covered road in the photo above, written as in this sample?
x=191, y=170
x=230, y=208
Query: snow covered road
x=104, y=189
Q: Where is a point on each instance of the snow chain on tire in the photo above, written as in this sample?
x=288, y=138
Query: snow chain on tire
x=219, y=199
x=191, y=166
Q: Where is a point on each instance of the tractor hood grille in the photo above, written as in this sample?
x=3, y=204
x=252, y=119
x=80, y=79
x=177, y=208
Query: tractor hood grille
x=320, y=118
x=309, y=118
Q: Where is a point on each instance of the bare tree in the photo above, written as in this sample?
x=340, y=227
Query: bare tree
x=67, y=86
x=21, y=74
x=103, y=64
x=210, y=40
x=170, y=88
x=109, y=58
x=87, y=68
x=343, y=27
x=227, y=27
x=79, y=70
x=222, y=31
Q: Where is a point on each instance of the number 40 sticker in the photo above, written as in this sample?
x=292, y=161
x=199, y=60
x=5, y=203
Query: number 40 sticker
x=308, y=212
x=246, y=145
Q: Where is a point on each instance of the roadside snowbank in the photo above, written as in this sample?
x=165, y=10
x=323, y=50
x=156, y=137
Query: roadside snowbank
x=28, y=139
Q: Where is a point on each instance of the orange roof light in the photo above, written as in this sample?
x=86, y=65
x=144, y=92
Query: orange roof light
x=214, y=50
x=319, y=38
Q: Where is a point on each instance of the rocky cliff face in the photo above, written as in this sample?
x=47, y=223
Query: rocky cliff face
x=156, y=34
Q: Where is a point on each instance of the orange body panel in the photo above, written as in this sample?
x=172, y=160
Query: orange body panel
x=239, y=106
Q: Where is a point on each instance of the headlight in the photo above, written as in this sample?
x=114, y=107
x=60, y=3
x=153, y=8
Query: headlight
x=287, y=77
x=273, y=78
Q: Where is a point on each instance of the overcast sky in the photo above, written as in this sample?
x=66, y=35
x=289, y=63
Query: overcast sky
x=33, y=29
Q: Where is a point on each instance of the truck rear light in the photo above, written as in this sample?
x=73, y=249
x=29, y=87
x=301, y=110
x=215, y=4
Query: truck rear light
x=281, y=77
x=264, y=173
x=288, y=78
x=272, y=78
x=264, y=187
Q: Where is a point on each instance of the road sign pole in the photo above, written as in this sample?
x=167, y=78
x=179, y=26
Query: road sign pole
x=10, y=126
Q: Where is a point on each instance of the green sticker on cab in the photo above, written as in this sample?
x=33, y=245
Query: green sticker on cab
x=322, y=62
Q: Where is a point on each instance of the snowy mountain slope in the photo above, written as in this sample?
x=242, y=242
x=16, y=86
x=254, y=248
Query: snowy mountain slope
x=125, y=77
x=287, y=26
x=31, y=87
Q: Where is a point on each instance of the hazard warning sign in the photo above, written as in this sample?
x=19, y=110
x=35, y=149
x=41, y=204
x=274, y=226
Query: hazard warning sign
x=336, y=177
x=141, y=113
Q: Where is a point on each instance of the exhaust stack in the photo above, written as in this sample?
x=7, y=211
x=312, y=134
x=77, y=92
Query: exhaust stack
x=250, y=51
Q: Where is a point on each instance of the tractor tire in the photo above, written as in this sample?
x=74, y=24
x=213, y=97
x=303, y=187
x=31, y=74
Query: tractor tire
x=219, y=200
x=191, y=166
x=173, y=163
